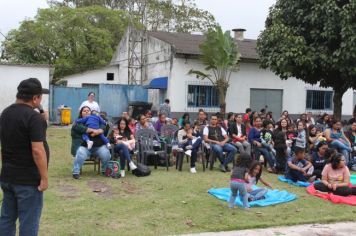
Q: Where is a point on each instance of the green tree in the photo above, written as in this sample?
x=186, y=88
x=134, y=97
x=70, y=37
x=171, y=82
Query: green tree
x=220, y=56
x=72, y=40
x=314, y=41
x=164, y=15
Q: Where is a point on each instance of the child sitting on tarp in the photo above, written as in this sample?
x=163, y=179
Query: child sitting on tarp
x=336, y=177
x=254, y=175
x=298, y=168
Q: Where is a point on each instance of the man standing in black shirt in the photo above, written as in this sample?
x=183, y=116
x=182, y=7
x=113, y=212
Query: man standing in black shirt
x=24, y=163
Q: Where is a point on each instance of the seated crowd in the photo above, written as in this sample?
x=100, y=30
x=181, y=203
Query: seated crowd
x=304, y=149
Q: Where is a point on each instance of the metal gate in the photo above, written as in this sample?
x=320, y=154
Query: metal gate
x=112, y=98
x=270, y=99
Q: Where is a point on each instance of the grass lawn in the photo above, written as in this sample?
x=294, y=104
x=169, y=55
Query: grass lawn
x=163, y=203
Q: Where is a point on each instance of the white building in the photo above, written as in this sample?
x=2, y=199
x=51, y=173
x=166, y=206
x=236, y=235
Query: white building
x=161, y=60
x=12, y=74
x=107, y=75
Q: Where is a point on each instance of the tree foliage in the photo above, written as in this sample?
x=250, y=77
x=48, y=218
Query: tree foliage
x=314, y=41
x=163, y=15
x=73, y=40
x=220, y=56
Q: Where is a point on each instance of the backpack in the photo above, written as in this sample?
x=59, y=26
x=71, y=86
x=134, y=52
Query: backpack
x=113, y=169
x=141, y=170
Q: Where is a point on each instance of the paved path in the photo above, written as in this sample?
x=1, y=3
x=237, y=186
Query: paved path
x=337, y=229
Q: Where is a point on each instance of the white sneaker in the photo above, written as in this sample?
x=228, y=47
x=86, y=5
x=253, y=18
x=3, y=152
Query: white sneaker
x=122, y=173
x=310, y=171
x=108, y=145
x=90, y=144
x=188, y=152
x=132, y=165
x=193, y=170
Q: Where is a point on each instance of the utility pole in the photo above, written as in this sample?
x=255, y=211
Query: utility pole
x=137, y=42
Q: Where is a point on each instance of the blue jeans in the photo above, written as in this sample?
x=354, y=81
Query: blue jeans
x=124, y=154
x=264, y=151
x=24, y=202
x=257, y=194
x=343, y=148
x=83, y=153
x=195, y=148
x=296, y=175
x=241, y=188
x=218, y=150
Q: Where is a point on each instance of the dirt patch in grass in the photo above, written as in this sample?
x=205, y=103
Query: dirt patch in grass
x=128, y=187
x=101, y=189
x=67, y=191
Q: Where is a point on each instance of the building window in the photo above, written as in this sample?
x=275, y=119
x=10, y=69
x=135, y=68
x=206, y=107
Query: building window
x=202, y=96
x=109, y=76
x=319, y=100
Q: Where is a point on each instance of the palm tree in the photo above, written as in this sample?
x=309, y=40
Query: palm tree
x=220, y=56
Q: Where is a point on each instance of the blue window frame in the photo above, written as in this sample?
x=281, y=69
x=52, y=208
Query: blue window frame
x=319, y=100
x=202, y=96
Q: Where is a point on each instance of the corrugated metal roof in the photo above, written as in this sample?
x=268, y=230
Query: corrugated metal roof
x=189, y=44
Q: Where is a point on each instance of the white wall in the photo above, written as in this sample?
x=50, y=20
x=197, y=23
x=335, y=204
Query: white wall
x=94, y=77
x=12, y=75
x=156, y=54
x=238, y=95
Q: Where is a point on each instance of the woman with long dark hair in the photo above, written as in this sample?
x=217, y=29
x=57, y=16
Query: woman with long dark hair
x=79, y=147
x=337, y=139
x=254, y=138
x=336, y=177
x=124, y=142
x=279, y=139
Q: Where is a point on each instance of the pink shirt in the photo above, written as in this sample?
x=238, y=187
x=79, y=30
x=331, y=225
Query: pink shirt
x=250, y=183
x=335, y=175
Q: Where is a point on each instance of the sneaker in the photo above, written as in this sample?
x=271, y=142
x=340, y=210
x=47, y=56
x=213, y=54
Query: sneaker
x=76, y=176
x=132, y=165
x=310, y=171
x=193, y=170
x=122, y=173
x=222, y=168
x=188, y=152
x=90, y=144
x=312, y=179
x=189, y=147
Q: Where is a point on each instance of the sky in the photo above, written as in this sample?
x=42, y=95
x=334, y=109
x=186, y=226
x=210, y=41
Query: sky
x=230, y=14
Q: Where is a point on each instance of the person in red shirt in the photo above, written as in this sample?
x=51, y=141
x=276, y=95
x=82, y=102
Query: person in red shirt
x=246, y=120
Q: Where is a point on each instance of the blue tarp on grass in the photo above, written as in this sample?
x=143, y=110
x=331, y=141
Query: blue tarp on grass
x=273, y=197
x=288, y=181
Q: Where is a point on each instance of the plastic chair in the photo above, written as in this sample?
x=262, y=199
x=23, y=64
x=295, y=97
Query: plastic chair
x=146, y=139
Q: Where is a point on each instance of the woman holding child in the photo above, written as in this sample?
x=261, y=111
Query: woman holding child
x=124, y=142
x=254, y=138
x=79, y=147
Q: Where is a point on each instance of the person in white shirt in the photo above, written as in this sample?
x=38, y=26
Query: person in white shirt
x=217, y=137
x=93, y=105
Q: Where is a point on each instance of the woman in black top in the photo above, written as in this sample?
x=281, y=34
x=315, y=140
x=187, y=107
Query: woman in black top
x=318, y=159
x=123, y=140
x=279, y=139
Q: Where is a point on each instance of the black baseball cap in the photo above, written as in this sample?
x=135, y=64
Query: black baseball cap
x=31, y=86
